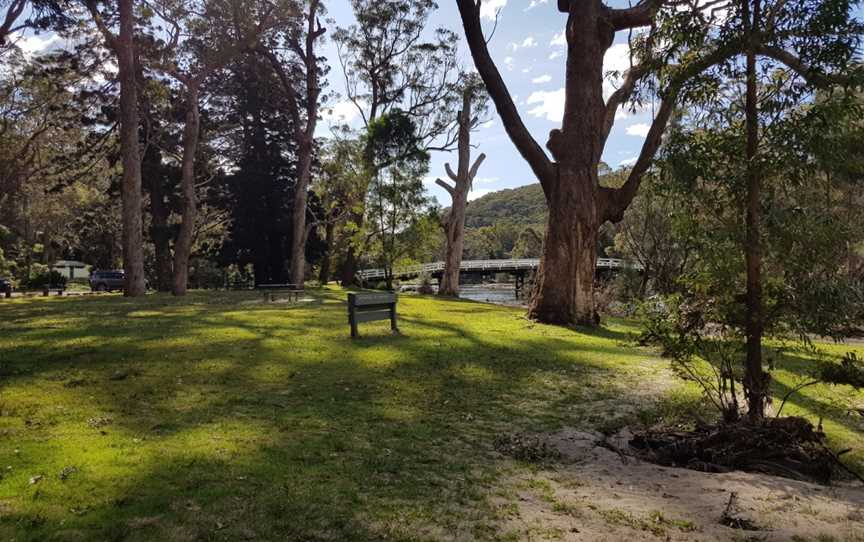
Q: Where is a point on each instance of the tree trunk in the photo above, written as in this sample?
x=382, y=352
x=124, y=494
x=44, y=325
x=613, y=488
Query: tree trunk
x=348, y=273
x=133, y=235
x=565, y=283
x=453, y=253
x=160, y=232
x=564, y=292
x=298, y=217
x=464, y=177
x=183, y=243
x=756, y=380
x=326, y=260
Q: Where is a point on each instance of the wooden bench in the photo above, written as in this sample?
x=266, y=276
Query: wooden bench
x=370, y=307
x=272, y=291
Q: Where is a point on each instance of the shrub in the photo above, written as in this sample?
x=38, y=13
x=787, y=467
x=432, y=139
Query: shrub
x=45, y=278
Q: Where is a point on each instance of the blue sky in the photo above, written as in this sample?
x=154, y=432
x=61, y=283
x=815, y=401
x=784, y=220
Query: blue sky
x=528, y=48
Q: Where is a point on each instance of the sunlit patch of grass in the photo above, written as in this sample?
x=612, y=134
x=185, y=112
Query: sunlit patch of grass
x=218, y=416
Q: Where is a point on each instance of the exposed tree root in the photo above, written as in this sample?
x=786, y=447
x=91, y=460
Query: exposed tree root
x=788, y=447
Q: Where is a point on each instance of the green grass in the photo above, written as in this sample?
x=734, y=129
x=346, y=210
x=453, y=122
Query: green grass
x=216, y=417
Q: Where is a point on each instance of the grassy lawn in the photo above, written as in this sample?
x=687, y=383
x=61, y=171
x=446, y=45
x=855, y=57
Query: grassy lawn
x=217, y=417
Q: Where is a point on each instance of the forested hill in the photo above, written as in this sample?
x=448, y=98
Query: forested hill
x=521, y=206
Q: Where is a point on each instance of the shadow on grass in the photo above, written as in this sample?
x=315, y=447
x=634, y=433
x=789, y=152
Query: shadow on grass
x=219, y=417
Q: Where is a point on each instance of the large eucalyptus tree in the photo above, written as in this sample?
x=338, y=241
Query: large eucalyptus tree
x=682, y=48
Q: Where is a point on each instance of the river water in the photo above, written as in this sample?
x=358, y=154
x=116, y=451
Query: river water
x=499, y=294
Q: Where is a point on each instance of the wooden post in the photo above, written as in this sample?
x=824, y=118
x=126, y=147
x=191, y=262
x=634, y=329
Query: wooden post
x=352, y=317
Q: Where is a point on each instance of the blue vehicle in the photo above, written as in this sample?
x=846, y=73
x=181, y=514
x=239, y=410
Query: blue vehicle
x=107, y=281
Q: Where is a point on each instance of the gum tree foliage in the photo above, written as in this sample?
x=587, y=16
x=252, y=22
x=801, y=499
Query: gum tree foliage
x=681, y=52
x=809, y=228
x=391, y=59
x=396, y=200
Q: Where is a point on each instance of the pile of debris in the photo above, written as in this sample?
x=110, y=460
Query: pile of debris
x=789, y=447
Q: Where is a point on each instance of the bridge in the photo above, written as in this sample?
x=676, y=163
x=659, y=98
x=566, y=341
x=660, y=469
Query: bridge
x=485, y=267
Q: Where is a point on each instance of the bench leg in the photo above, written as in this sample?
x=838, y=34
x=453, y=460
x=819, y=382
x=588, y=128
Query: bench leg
x=353, y=321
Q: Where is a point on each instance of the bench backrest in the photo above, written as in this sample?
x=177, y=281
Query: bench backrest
x=277, y=287
x=364, y=307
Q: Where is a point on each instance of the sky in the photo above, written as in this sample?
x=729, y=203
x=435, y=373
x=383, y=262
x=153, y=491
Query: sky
x=528, y=47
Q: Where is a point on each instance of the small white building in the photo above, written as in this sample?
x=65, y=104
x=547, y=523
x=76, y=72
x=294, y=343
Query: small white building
x=72, y=269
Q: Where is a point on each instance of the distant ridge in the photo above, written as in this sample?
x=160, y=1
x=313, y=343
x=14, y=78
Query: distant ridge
x=524, y=206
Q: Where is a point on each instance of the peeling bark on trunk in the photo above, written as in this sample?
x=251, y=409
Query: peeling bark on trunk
x=565, y=287
x=183, y=243
x=564, y=293
x=454, y=225
x=298, y=217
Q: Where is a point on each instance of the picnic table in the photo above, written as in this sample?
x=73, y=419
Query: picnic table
x=272, y=291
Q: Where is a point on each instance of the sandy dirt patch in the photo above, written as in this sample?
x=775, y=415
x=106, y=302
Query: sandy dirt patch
x=594, y=493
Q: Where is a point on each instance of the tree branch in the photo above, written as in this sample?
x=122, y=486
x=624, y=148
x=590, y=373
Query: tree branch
x=451, y=174
x=615, y=201
x=642, y=14
x=446, y=187
x=619, y=97
x=13, y=12
x=473, y=171
x=810, y=74
x=543, y=168
x=110, y=38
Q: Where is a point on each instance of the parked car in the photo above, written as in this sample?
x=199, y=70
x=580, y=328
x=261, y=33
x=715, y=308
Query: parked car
x=5, y=286
x=107, y=281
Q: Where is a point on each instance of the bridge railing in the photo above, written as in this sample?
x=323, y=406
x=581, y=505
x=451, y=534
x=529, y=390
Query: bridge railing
x=484, y=265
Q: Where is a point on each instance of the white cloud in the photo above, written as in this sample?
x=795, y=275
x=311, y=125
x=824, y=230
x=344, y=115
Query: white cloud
x=550, y=104
x=344, y=112
x=639, y=129
x=488, y=124
x=486, y=180
x=627, y=162
x=479, y=193
x=545, y=78
x=535, y=3
x=555, y=55
x=508, y=63
x=490, y=8
x=526, y=70
x=527, y=43
x=32, y=45
x=559, y=40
